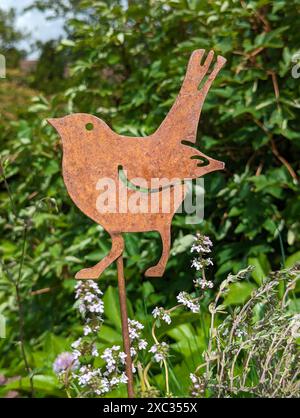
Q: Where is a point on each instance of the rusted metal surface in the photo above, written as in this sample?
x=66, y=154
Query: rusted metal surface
x=125, y=330
x=91, y=151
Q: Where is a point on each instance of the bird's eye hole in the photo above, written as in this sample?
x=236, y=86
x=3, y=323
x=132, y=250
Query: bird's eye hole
x=89, y=126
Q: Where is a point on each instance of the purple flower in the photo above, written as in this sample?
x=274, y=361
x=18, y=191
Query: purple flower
x=65, y=361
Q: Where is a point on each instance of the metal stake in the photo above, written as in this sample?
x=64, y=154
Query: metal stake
x=125, y=330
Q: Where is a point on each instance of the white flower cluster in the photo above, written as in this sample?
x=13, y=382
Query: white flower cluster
x=161, y=313
x=198, y=388
x=90, y=305
x=137, y=343
x=203, y=283
x=187, y=300
x=160, y=351
x=113, y=358
x=202, y=244
x=135, y=328
x=102, y=380
x=97, y=382
x=91, y=379
x=199, y=264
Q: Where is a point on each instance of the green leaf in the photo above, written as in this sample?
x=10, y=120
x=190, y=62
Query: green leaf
x=292, y=259
x=262, y=267
x=112, y=306
x=46, y=385
x=238, y=293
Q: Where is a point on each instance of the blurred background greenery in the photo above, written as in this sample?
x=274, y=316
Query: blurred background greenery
x=124, y=62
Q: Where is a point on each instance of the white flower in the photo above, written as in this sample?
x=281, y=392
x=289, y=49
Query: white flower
x=197, y=264
x=114, y=381
x=87, y=330
x=200, y=249
x=153, y=349
x=161, y=313
x=135, y=324
x=156, y=312
x=207, y=241
x=194, y=308
x=158, y=357
x=115, y=348
x=198, y=387
x=166, y=317
x=76, y=343
x=123, y=378
x=111, y=358
x=187, y=301
x=160, y=351
x=202, y=246
x=86, y=375
x=76, y=354
x=193, y=378
x=200, y=264
x=132, y=351
x=122, y=357
x=97, y=307
x=135, y=328
x=142, y=344
x=209, y=262
x=82, y=308
x=133, y=334
x=203, y=283
x=95, y=352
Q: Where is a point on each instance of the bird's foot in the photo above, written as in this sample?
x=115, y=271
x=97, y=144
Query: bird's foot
x=90, y=273
x=155, y=271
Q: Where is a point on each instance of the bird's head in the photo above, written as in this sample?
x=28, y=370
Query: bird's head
x=78, y=128
x=195, y=163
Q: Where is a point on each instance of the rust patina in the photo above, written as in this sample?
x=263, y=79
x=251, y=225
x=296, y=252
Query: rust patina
x=92, y=150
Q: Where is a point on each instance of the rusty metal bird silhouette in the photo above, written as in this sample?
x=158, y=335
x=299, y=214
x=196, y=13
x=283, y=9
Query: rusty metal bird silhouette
x=92, y=150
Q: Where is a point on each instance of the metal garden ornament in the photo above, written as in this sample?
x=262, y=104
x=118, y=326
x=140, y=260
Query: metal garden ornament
x=92, y=151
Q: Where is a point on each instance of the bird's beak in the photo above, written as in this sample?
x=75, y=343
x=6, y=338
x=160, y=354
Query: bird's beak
x=55, y=122
x=220, y=165
x=217, y=165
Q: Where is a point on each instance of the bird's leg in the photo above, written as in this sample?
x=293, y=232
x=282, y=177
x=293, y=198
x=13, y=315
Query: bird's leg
x=115, y=252
x=159, y=269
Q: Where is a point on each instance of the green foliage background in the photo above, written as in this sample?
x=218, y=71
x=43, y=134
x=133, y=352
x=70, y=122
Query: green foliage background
x=126, y=66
